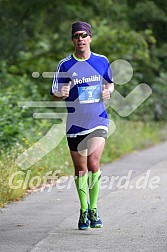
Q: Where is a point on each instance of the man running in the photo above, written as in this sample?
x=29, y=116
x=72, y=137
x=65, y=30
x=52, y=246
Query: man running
x=84, y=81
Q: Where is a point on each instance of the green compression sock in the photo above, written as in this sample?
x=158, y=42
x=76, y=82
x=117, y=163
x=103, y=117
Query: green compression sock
x=81, y=185
x=93, y=183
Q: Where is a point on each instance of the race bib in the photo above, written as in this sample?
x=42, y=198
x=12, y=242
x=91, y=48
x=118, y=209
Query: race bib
x=89, y=94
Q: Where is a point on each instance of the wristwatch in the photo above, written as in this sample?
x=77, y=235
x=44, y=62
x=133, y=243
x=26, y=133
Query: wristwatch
x=110, y=93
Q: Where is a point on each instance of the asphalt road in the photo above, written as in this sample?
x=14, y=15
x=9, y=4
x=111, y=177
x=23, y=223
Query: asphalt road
x=132, y=205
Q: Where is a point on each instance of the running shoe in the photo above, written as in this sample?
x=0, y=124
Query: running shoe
x=83, y=223
x=95, y=220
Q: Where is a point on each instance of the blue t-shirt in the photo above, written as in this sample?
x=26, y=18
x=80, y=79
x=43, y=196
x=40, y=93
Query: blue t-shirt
x=86, y=109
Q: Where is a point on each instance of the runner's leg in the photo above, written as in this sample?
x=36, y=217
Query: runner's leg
x=96, y=147
x=80, y=166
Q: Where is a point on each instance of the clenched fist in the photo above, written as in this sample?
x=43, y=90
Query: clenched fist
x=106, y=94
x=65, y=90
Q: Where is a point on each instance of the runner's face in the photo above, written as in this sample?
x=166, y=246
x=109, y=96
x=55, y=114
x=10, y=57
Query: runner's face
x=81, y=44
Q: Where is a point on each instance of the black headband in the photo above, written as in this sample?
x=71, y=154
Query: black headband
x=81, y=26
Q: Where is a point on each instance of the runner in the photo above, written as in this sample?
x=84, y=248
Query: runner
x=84, y=81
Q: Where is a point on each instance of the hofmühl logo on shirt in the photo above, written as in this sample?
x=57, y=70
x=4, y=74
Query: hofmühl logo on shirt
x=87, y=79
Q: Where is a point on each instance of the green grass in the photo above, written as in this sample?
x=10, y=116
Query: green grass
x=129, y=136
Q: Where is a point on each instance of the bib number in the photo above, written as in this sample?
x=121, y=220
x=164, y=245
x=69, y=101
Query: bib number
x=89, y=94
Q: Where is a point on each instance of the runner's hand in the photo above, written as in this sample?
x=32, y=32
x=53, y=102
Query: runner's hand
x=105, y=93
x=65, y=90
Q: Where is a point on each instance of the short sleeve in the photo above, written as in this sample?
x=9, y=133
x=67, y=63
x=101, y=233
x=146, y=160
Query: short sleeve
x=107, y=77
x=60, y=78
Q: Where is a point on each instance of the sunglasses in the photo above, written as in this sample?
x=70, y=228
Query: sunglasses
x=78, y=35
